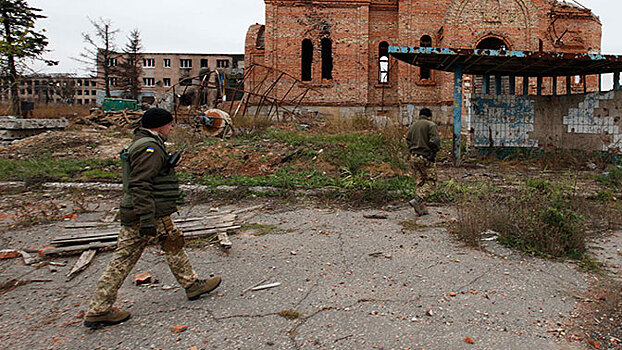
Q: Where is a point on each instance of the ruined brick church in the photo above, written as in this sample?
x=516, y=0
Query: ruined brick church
x=338, y=49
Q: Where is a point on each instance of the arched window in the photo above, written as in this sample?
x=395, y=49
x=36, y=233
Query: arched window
x=425, y=41
x=307, y=60
x=327, y=58
x=492, y=43
x=383, y=62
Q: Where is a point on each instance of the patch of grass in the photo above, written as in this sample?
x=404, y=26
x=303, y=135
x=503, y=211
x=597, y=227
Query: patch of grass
x=49, y=169
x=410, y=225
x=541, y=218
x=289, y=314
x=94, y=174
x=612, y=178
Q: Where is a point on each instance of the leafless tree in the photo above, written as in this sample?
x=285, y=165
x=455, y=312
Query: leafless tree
x=101, y=53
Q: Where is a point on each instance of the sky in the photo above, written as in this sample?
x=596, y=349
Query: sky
x=199, y=26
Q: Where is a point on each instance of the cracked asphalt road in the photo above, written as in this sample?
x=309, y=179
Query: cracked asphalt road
x=353, y=282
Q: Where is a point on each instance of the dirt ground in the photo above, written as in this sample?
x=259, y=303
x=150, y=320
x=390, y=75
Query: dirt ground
x=351, y=278
x=347, y=282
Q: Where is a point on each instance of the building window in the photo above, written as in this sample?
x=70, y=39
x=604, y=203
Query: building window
x=86, y=92
x=79, y=92
x=148, y=62
x=79, y=82
x=307, y=60
x=112, y=81
x=383, y=62
x=425, y=41
x=203, y=62
x=166, y=82
x=148, y=81
x=222, y=63
x=93, y=101
x=185, y=81
x=327, y=58
x=112, y=62
x=93, y=92
x=93, y=83
x=185, y=63
x=167, y=63
x=79, y=101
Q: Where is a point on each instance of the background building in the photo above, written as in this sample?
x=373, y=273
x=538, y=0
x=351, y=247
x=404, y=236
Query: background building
x=161, y=72
x=56, y=88
x=340, y=48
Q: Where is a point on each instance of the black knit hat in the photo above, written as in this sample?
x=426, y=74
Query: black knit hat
x=156, y=117
x=425, y=112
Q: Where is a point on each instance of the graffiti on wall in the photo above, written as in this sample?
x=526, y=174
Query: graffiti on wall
x=502, y=120
x=593, y=116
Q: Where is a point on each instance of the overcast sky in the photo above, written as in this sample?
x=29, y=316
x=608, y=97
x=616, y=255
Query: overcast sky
x=200, y=26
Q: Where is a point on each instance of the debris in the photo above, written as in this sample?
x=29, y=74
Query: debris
x=375, y=216
x=375, y=254
x=224, y=240
x=143, y=278
x=452, y=294
x=430, y=313
x=253, y=286
x=469, y=340
x=83, y=262
x=9, y=254
x=72, y=243
x=293, y=252
x=266, y=286
x=179, y=329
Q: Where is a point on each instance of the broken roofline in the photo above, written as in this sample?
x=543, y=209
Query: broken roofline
x=505, y=62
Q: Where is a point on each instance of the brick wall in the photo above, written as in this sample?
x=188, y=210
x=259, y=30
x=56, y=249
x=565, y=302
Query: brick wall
x=356, y=27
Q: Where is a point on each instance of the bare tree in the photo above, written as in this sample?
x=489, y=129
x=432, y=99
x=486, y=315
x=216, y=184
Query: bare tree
x=101, y=50
x=19, y=43
x=130, y=70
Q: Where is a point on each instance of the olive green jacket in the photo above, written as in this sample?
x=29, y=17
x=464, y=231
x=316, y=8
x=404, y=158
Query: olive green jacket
x=150, y=185
x=423, y=138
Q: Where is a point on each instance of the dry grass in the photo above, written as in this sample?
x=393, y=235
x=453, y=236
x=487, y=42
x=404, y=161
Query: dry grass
x=541, y=217
x=52, y=110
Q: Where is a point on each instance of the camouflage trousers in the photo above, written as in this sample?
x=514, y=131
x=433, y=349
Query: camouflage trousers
x=426, y=174
x=130, y=246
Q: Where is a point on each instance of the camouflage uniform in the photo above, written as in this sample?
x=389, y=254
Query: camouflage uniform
x=426, y=173
x=423, y=143
x=151, y=191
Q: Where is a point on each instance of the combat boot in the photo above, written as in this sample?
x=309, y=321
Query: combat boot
x=417, y=204
x=110, y=318
x=200, y=287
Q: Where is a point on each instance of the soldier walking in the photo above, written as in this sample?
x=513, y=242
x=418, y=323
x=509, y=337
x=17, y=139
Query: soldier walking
x=423, y=143
x=151, y=190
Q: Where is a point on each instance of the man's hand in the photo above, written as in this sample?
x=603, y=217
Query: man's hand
x=148, y=230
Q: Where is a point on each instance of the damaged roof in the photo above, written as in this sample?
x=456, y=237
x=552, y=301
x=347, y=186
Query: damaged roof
x=503, y=62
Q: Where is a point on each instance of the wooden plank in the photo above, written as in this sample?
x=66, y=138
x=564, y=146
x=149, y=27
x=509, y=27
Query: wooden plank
x=188, y=227
x=102, y=239
x=98, y=224
x=200, y=234
x=78, y=248
x=82, y=263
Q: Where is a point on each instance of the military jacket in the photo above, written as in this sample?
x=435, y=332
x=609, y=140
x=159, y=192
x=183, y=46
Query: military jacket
x=150, y=185
x=423, y=138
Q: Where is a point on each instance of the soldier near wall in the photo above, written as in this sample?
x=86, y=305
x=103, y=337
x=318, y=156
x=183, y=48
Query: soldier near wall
x=151, y=191
x=423, y=144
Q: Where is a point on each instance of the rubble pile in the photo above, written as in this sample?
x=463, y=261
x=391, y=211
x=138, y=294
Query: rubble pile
x=110, y=119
